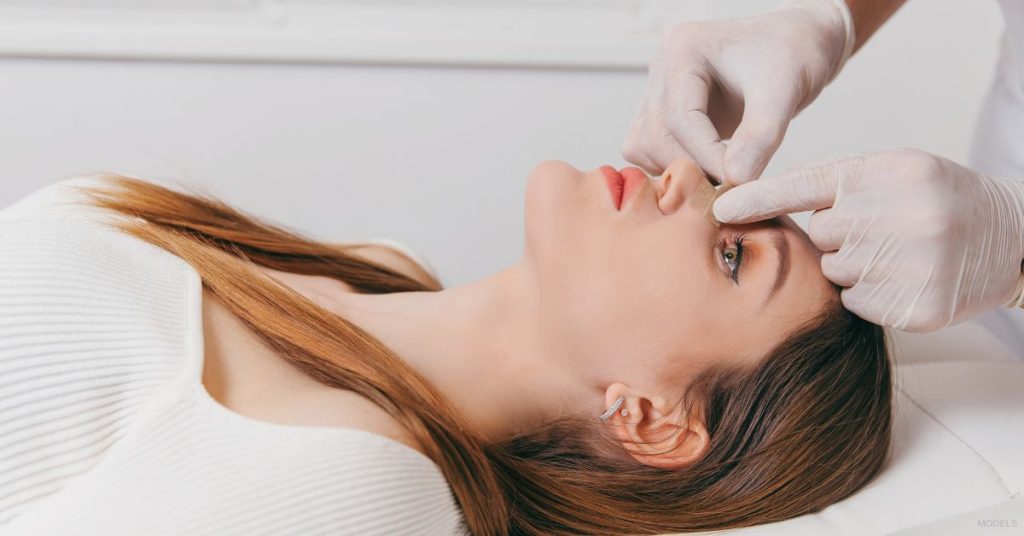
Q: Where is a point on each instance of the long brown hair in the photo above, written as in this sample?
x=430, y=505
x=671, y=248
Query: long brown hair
x=805, y=427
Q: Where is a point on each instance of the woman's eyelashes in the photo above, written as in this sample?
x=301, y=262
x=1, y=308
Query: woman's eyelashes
x=732, y=255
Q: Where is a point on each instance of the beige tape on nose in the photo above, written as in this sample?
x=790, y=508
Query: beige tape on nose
x=703, y=198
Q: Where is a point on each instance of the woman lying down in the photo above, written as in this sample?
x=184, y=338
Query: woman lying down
x=638, y=371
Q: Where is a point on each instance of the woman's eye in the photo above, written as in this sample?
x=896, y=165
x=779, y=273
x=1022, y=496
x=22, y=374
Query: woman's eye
x=733, y=255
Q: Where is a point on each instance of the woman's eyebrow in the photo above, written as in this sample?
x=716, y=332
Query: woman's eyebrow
x=778, y=240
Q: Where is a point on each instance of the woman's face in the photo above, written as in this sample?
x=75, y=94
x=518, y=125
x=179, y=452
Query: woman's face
x=653, y=292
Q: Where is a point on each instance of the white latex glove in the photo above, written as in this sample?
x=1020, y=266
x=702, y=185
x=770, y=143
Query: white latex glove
x=707, y=73
x=920, y=241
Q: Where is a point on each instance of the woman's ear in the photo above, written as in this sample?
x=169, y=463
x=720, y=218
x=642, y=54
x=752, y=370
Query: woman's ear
x=657, y=431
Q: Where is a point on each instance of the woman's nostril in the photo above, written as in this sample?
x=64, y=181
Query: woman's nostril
x=670, y=196
x=666, y=181
x=684, y=183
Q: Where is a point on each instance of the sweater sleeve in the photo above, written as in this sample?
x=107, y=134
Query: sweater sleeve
x=60, y=200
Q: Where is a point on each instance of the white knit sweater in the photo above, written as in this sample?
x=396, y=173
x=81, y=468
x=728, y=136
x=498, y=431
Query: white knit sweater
x=106, y=428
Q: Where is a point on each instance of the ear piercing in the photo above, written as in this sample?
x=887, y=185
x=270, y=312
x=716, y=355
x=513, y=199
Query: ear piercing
x=613, y=408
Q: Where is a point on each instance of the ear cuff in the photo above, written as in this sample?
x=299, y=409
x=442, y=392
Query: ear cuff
x=613, y=408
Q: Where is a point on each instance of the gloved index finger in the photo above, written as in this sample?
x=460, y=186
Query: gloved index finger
x=796, y=191
x=688, y=121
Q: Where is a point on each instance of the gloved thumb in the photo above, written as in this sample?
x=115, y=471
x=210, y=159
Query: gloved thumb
x=795, y=191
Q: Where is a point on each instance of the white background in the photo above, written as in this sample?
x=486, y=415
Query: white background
x=432, y=156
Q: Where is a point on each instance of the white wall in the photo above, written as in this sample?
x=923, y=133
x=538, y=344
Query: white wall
x=436, y=156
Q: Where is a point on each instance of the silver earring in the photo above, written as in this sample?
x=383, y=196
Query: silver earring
x=613, y=408
x=624, y=412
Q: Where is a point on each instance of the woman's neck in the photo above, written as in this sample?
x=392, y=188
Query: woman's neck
x=478, y=345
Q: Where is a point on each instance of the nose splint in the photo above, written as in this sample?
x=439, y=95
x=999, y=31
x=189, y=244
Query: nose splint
x=704, y=198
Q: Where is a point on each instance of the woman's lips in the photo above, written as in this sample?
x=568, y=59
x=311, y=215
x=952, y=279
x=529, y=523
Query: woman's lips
x=623, y=182
x=633, y=178
x=616, y=185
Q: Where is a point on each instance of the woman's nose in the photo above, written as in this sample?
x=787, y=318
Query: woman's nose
x=679, y=181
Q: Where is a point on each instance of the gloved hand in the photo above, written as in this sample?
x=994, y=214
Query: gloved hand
x=921, y=241
x=767, y=67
